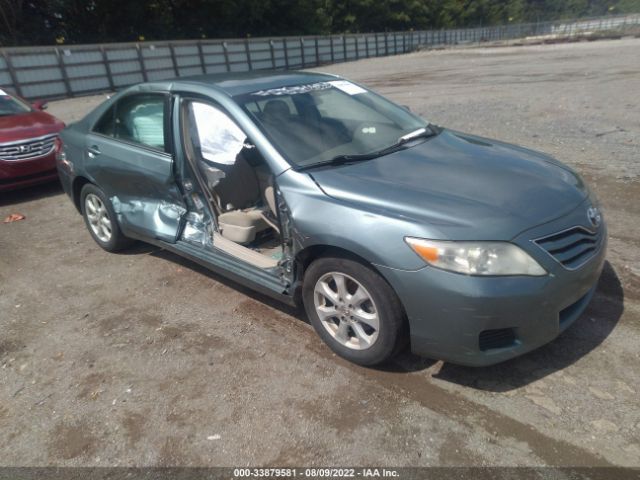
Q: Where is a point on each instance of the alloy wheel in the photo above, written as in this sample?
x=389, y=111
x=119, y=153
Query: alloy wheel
x=346, y=310
x=98, y=217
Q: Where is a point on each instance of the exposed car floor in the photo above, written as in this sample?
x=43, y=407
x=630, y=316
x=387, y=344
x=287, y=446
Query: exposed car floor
x=144, y=358
x=270, y=246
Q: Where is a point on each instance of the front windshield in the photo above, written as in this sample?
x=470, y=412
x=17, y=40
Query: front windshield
x=11, y=106
x=314, y=123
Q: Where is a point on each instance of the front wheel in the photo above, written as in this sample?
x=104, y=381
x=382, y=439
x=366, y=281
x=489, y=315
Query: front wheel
x=101, y=219
x=353, y=309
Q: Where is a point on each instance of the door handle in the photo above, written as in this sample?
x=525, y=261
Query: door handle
x=93, y=151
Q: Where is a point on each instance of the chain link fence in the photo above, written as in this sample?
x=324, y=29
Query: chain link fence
x=67, y=71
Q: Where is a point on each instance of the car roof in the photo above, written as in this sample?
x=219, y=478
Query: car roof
x=240, y=83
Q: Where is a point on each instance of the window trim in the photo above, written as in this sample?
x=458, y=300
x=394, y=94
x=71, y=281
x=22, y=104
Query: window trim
x=168, y=149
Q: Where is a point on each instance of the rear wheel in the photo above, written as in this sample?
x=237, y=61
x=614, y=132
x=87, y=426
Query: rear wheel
x=101, y=219
x=353, y=310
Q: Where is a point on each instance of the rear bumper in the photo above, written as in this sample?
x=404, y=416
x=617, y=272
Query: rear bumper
x=66, y=176
x=25, y=173
x=478, y=321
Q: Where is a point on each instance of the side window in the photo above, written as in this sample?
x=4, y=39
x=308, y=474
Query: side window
x=106, y=125
x=136, y=118
x=140, y=119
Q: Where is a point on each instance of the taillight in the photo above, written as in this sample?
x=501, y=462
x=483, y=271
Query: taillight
x=61, y=156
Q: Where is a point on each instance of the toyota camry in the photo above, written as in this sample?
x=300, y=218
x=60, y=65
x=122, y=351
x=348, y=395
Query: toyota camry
x=388, y=229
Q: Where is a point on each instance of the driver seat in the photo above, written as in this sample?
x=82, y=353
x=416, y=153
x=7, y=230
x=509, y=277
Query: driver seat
x=238, y=194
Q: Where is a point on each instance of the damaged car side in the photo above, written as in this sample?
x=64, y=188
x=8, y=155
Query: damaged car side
x=315, y=190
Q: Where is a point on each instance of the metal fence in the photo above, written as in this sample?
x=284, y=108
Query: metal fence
x=67, y=71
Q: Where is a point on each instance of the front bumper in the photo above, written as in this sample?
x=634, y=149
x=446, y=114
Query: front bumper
x=480, y=321
x=24, y=173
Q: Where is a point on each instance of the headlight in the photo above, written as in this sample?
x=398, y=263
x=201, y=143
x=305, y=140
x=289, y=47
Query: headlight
x=476, y=258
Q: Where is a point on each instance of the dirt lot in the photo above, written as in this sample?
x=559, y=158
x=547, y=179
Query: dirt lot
x=145, y=359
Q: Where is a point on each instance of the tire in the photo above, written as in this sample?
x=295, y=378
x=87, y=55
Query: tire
x=348, y=326
x=101, y=220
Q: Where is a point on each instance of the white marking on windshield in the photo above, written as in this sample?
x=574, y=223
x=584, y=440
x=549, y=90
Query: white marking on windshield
x=296, y=89
x=347, y=87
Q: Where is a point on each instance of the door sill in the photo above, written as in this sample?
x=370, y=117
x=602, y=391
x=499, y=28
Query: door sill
x=243, y=253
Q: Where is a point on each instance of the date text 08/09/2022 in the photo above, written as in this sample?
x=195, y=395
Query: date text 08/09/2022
x=315, y=472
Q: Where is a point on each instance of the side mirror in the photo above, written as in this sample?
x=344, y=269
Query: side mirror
x=406, y=107
x=40, y=104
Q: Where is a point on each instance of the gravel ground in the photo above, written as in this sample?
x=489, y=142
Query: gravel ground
x=143, y=358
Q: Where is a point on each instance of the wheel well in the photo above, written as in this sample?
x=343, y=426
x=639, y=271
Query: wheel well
x=306, y=256
x=309, y=254
x=76, y=188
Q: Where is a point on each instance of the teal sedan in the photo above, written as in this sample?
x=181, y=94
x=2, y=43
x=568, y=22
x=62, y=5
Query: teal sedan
x=389, y=230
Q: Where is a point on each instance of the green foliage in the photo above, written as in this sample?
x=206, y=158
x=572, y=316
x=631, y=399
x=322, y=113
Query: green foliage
x=30, y=22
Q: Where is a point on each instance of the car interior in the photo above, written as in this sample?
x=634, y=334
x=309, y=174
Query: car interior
x=138, y=119
x=299, y=126
x=318, y=125
x=239, y=183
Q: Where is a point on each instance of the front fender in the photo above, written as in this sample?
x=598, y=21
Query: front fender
x=320, y=220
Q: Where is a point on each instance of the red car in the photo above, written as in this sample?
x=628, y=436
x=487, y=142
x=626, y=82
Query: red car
x=28, y=143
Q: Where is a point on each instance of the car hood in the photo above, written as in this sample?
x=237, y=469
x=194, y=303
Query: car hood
x=28, y=125
x=460, y=187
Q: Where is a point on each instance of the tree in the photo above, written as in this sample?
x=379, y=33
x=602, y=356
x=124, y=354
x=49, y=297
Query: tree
x=29, y=22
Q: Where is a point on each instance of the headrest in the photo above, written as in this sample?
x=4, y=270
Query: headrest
x=277, y=108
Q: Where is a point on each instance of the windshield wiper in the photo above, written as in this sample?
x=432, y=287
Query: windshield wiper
x=421, y=132
x=340, y=160
x=357, y=157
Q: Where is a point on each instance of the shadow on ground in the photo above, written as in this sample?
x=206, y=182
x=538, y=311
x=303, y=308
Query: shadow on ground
x=143, y=248
x=587, y=333
x=28, y=194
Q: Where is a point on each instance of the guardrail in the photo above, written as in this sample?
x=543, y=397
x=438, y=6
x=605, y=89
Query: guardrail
x=74, y=70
